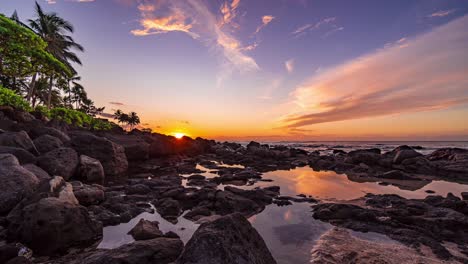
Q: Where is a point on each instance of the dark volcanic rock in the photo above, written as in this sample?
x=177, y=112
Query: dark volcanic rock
x=229, y=239
x=18, y=140
x=404, y=154
x=22, y=155
x=367, y=156
x=88, y=194
x=62, y=162
x=40, y=130
x=145, y=230
x=90, y=170
x=136, y=148
x=430, y=221
x=52, y=215
x=111, y=155
x=159, y=250
x=46, y=143
x=464, y=196
x=17, y=182
x=40, y=173
x=169, y=209
x=450, y=163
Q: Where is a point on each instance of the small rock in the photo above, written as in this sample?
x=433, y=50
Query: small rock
x=145, y=230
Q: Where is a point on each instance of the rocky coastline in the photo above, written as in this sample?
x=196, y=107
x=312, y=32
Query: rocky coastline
x=63, y=184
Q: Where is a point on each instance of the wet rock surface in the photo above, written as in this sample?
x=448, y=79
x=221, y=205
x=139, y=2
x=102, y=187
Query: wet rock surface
x=427, y=222
x=338, y=246
x=229, y=239
x=146, y=230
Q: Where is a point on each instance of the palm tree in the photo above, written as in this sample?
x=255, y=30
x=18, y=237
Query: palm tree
x=73, y=80
x=53, y=29
x=78, y=95
x=117, y=114
x=133, y=120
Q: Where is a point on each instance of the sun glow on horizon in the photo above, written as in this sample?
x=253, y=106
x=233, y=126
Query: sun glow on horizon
x=178, y=135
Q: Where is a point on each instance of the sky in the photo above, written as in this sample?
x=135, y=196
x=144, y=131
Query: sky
x=276, y=69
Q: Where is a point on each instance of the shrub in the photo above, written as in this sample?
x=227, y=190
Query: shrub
x=78, y=118
x=10, y=98
x=71, y=116
x=99, y=124
x=43, y=110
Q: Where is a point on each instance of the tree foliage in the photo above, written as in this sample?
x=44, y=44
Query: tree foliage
x=131, y=119
x=23, y=53
x=10, y=98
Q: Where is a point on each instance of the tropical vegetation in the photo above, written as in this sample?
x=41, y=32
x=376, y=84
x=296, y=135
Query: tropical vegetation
x=37, y=60
x=131, y=119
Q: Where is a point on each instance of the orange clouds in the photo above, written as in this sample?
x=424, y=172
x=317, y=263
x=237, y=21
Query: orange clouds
x=195, y=18
x=265, y=21
x=175, y=20
x=229, y=11
x=426, y=73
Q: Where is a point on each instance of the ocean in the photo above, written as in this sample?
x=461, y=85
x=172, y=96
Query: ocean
x=327, y=147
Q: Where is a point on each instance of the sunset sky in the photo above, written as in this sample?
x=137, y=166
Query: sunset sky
x=276, y=69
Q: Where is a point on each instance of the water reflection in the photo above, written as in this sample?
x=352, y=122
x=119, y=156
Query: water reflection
x=115, y=236
x=331, y=185
x=289, y=232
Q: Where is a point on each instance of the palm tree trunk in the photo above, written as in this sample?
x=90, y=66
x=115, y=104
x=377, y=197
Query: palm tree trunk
x=32, y=86
x=49, y=95
x=34, y=98
x=69, y=96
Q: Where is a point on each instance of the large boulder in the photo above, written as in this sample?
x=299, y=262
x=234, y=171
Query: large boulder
x=405, y=153
x=229, y=239
x=46, y=143
x=17, y=182
x=450, y=162
x=62, y=162
x=40, y=130
x=51, y=221
x=136, y=148
x=22, y=155
x=367, y=156
x=145, y=230
x=18, y=140
x=40, y=173
x=112, y=156
x=90, y=170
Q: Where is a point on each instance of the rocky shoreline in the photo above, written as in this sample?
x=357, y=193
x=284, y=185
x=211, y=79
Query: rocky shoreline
x=63, y=184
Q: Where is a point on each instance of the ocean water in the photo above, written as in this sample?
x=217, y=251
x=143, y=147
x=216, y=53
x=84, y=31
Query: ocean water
x=325, y=147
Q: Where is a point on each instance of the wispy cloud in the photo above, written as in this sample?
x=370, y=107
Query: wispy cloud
x=229, y=12
x=442, y=13
x=302, y=30
x=196, y=19
x=333, y=31
x=430, y=73
x=117, y=103
x=289, y=65
x=265, y=21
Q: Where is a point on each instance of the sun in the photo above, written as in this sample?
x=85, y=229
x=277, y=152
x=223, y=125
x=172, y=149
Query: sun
x=179, y=135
